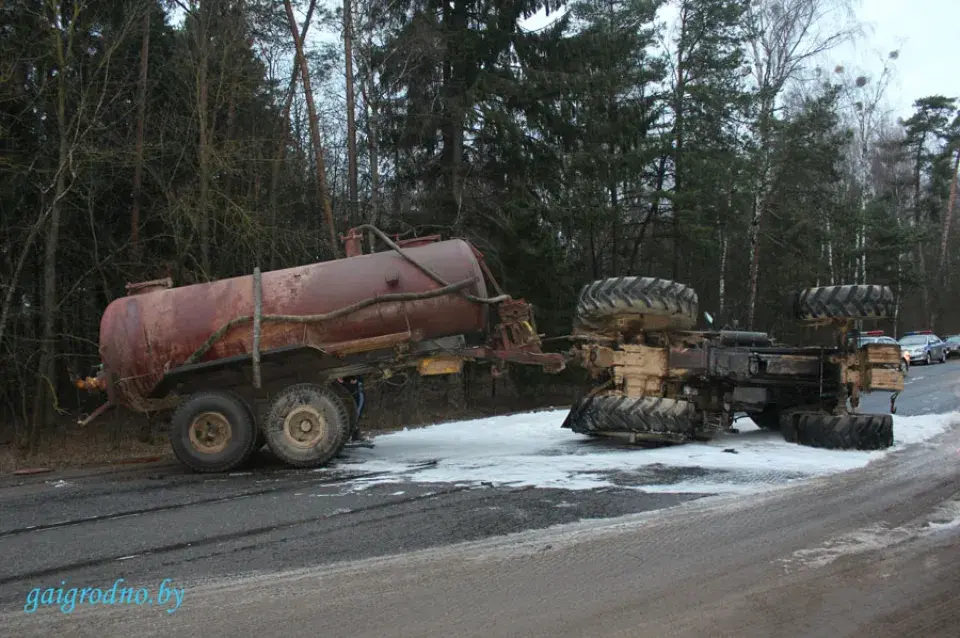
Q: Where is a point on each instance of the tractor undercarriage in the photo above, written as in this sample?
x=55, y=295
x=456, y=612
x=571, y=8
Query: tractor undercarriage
x=656, y=381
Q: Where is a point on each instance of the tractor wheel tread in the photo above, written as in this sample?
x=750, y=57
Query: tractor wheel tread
x=839, y=432
x=668, y=418
x=633, y=297
x=860, y=301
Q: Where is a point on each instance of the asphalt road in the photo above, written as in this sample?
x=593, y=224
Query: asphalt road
x=384, y=561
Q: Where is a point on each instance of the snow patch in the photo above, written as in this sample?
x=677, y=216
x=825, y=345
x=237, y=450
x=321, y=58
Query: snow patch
x=864, y=540
x=532, y=450
x=944, y=517
x=947, y=516
x=909, y=430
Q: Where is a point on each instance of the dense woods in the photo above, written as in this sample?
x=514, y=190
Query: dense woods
x=715, y=142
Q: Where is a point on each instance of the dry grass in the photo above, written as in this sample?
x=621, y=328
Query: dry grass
x=116, y=438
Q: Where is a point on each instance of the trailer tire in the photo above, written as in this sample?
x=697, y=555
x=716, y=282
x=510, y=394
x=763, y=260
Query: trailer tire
x=840, y=432
x=643, y=303
x=651, y=419
x=324, y=420
x=226, y=411
x=252, y=411
x=845, y=302
x=350, y=403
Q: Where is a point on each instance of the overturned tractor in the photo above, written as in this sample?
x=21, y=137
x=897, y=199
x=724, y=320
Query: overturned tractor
x=658, y=381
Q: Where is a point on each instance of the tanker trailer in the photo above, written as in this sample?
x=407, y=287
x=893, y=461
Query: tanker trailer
x=252, y=360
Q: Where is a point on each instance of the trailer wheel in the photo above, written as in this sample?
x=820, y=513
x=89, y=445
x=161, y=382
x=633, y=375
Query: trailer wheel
x=839, y=432
x=213, y=431
x=845, y=302
x=641, y=419
x=637, y=303
x=307, y=425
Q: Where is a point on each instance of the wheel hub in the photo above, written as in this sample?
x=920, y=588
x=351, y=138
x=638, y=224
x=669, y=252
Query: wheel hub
x=304, y=426
x=210, y=432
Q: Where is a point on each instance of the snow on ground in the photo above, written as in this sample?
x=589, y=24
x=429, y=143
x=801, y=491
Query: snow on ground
x=531, y=449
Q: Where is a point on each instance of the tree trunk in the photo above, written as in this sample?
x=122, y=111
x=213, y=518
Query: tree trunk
x=722, y=237
x=755, y=225
x=15, y=279
x=951, y=202
x=46, y=390
x=921, y=261
x=615, y=253
x=314, y=129
x=373, y=149
x=759, y=209
x=141, y=117
x=351, y=114
x=203, y=142
x=455, y=24
x=652, y=213
x=282, y=143
x=830, y=265
x=678, y=98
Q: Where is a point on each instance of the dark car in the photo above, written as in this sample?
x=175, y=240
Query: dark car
x=952, y=344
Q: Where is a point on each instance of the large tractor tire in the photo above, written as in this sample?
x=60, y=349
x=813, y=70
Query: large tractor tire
x=843, y=432
x=845, y=302
x=644, y=419
x=637, y=303
x=627, y=304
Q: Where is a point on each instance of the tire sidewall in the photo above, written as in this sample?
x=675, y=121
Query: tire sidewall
x=242, y=432
x=337, y=427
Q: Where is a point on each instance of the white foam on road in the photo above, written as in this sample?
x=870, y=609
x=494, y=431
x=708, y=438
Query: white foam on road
x=531, y=449
x=868, y=539
x=946, y=517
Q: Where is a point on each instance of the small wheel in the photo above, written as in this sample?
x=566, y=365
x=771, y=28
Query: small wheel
x=307, y=425
x=213, y=431
x=928, y=360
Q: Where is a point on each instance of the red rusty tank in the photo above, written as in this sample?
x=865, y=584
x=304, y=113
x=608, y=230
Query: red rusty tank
x=152, y=331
